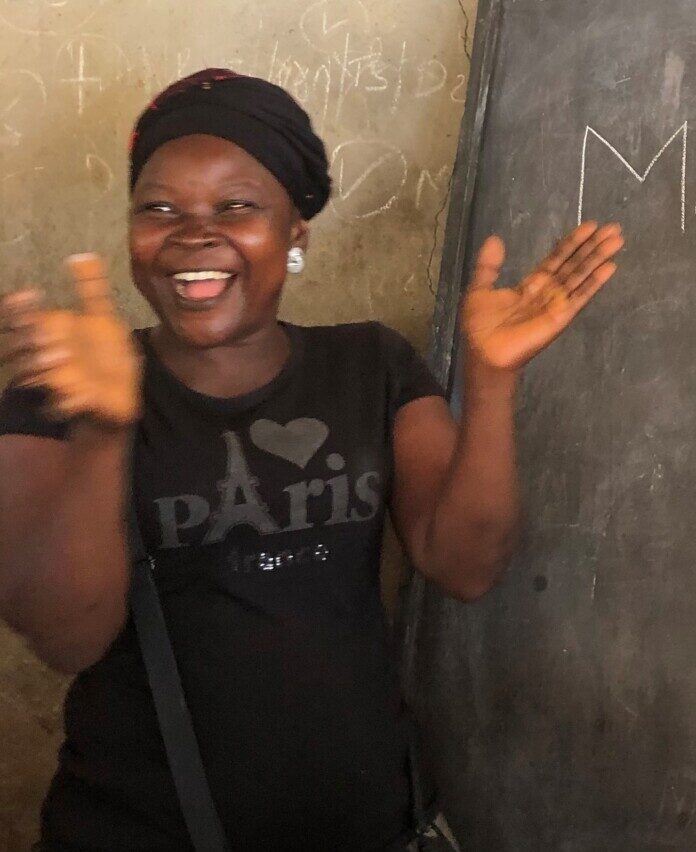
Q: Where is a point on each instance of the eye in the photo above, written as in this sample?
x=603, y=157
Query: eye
x=236, y=206
x=157, y=208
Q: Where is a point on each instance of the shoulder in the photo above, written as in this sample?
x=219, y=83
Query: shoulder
x=370, y=354
x=355, y=338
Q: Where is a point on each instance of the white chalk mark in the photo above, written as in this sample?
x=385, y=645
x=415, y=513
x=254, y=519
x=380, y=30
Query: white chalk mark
x=96, y=165
x=683, y=181
x=284, y=74
x=437, y=183
x=26, y=232
x=684, y=129
x=124, y=64
x=183, y=57
x=376, y=67
x=12, y=135
x=52, y=32
x=274, y=55
x=317, y=27
x=400, y=79
x=345, y=195
x=300, y=85
x=324, y=70
x=391, y=154
x=76, y=51
x=35, y=77
x=12, y=104
x=460, y=87
x=344, y=72
x=432, y=77
x=81, y=80
x=326, y=29
x=594, y=585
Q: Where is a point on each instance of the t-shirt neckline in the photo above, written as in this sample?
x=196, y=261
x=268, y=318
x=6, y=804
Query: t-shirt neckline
x=233, y=404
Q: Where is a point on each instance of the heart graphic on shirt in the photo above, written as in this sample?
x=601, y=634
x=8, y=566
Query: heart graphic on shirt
x=297, y=442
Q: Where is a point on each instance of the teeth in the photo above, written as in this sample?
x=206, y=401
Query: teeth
x=206, y=275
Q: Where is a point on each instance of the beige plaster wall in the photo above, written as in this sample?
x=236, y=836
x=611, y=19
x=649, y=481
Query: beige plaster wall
x=385, y=82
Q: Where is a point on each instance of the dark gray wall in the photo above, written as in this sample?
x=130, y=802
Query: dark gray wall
x=561, y=708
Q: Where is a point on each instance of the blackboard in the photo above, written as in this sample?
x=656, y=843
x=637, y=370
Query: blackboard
x=561, y=708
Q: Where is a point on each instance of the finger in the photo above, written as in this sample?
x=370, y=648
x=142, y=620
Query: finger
x=36, y=368
x=42, y=333
x=599, y=256
x=489, y=262
x=60, y=378
x=19, y=309
x=592, y=285
x=567, y=247
x=48, y=330
x=69, y=394
x=586, y=249
x=536, y=283
x=91, y=281
x=66, y=407
x=17, y=342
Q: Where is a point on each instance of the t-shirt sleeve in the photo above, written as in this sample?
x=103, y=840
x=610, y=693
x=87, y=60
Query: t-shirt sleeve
x=409, y=376
x=21, y=413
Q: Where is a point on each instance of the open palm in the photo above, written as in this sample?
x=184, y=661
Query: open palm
x=507, y=327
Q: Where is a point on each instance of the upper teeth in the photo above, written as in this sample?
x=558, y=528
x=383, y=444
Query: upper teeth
x=202, y=276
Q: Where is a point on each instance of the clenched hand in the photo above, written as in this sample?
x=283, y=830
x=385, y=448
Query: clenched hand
x=85, y=359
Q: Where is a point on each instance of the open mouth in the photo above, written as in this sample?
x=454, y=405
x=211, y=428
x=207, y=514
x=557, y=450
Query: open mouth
x=201, y=286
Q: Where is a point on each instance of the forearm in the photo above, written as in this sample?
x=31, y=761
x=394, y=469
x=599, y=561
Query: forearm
x=65, y=578
x=473, y=526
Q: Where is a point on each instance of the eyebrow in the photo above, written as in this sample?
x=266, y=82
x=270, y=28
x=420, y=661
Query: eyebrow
x=227, y=186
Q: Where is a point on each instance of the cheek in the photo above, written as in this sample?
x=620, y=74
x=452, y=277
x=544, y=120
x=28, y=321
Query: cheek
x=143, y=246
x=264, y=244
x=144, y=242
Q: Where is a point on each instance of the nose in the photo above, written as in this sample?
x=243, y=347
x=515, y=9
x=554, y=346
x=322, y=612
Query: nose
x=196, y=232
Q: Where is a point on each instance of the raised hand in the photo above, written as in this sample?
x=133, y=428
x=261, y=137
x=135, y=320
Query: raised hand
x=505, y=328
x=85, y=359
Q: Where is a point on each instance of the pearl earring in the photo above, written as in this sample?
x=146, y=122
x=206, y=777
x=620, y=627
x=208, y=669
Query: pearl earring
x=296, y=260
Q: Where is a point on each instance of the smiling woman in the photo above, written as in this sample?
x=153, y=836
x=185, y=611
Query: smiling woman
x=210, y=233
x=265, y=458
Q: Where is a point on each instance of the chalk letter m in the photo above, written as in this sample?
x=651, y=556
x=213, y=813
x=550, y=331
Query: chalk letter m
x=684, y=129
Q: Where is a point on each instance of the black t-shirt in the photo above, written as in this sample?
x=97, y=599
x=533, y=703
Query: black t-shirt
x=264, y=516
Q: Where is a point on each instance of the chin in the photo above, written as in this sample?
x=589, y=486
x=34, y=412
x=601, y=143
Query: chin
x=204, y=335
x=200, y=329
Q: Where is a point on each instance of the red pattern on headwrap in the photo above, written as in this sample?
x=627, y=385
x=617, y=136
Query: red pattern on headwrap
x=200, y=78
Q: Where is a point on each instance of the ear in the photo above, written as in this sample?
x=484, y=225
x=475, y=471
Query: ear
x=299, y=235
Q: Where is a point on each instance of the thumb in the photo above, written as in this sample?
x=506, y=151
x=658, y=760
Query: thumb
x=490, y=259
x=91, y=282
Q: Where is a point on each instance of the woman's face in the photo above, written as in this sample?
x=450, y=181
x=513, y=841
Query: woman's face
x=210, y=231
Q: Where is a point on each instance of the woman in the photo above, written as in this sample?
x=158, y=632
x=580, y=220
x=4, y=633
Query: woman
x=265, y=458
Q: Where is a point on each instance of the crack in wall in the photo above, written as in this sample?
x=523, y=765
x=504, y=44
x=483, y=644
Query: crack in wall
x=438, y=215
x=465, y=37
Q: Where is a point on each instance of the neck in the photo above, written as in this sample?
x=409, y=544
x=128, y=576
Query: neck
x=232, y=369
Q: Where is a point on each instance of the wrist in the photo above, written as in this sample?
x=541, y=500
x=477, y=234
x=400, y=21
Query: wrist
x=88, y=433
x=484, y=380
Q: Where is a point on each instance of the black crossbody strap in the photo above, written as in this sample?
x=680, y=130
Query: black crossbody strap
x=184, y=756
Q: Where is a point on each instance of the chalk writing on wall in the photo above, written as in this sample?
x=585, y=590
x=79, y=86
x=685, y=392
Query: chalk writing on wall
x=591, y=134
x=340, y=67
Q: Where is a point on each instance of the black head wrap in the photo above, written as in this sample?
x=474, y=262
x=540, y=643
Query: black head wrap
x=260, y=117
